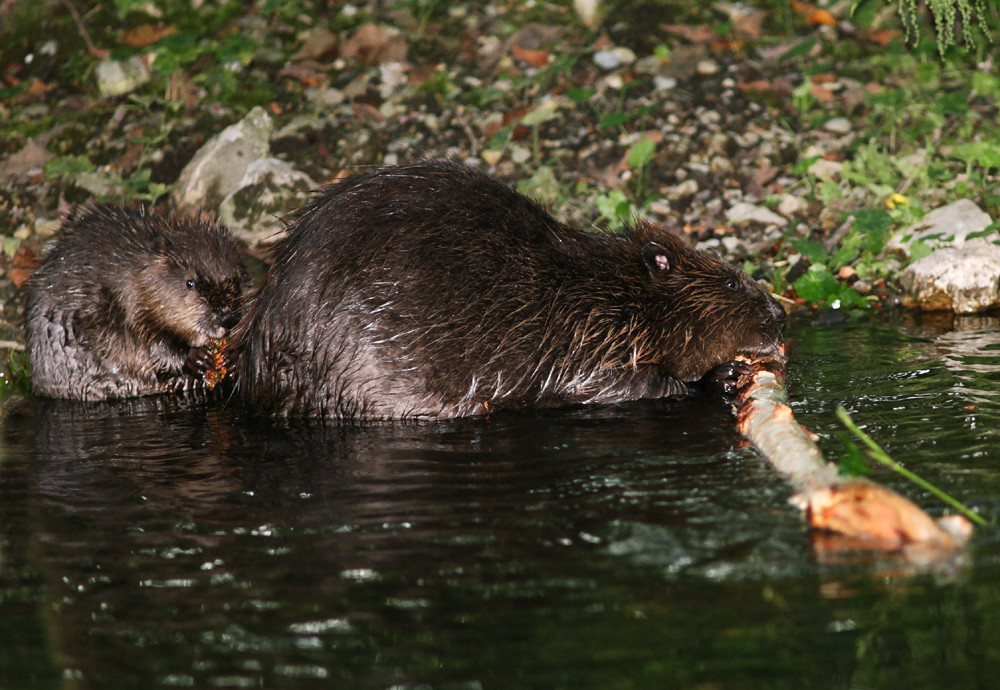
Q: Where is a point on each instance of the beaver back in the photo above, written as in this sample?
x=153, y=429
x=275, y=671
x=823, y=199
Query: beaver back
x=433, y=290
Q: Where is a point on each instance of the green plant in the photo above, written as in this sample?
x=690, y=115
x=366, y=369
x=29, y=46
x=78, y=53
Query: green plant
x=876, y=453
x=638, y=158
x=946, y=13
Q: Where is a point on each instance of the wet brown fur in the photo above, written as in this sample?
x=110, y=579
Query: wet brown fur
x=433, y=290
x=123, y=296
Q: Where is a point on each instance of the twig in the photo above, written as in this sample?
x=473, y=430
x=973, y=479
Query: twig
x=91, y=48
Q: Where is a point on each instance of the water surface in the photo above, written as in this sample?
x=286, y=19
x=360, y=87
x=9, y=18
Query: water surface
x=162, y=543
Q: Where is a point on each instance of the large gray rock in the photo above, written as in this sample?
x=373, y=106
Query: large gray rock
x=219, y=167
x=961, y=279
x=270, y=188
x=947, y=226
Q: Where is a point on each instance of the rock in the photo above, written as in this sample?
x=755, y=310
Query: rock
x=707, y=68
x=218, y=168
x=679, y=191
x=661, y=83
x=393, y=76
x=947, y=226
x=791, y=205
x=614, y=58
x=491, y=156
x=742, y=212
x=824, y=169
x=721, y=166
x=960, y=279
x=115, y=78
x=589, y=11
x=268, y=189
x=47, y=227
x=838, y=125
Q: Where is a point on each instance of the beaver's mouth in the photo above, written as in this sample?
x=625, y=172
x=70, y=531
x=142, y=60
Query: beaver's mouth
x=771, y=349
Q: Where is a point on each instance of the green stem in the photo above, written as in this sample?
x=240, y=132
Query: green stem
x=880, y=455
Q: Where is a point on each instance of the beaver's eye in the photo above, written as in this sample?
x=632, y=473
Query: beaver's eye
x=732, y=284
x=190, y=283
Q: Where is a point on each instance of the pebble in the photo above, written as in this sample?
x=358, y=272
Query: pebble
x=685, y=188
x=742, y=212
x=664, y=83
x=707, y=67
x=731, y=244
x=824, y=169
x=115, y=78
x=838, y=125
x=791, y=205
x=614, y=58
x=491, y=157
x=721, y=166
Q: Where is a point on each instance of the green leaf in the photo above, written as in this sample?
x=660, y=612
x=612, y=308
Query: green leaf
x=986, y=84
x=614, y=207
x=985, y=232
x=985, y=154
x=542, y=186
x=816, y=252
x=875, y=225
x=803, y=165
x=798, y=50
x=919, y=249
x=11, y=245
x=817, y=284
x=612, y=120
x=828, y=192
x=641, y=153
x=543, y=113
x=853, y=463
x=500, y=139
x=581, y=95
x=66, y=166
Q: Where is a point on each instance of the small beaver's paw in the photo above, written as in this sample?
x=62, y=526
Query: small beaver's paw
x=198, y=361
x=726, y=377
x=209, y=362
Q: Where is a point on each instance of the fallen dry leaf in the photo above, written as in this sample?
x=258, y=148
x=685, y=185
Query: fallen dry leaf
x=372, y=44
x=146, y=34
x=538, y=58
x=821, y=93
x=702, y=33
x=882, y=37
x=318, y=43
x=182, y=89
x=25, y=260
x=820, y=18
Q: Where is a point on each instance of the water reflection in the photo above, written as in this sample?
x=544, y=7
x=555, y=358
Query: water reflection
x=968, y=346
x=173, y=542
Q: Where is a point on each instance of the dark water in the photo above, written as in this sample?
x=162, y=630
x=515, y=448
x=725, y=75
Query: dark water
x=158, y=543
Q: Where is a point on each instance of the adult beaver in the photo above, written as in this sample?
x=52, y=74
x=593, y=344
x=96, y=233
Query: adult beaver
x=125, y=302
x=433, y=290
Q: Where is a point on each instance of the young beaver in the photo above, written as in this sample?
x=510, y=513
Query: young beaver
x=433, y=290
x=125, y=302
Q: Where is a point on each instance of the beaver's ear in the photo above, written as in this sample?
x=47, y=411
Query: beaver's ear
x=656, y=257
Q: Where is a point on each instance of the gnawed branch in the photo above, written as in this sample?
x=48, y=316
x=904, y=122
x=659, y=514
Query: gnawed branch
x=869, y=515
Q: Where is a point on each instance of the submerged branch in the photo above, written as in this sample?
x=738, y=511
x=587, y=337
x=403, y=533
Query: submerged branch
x=870, y=515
